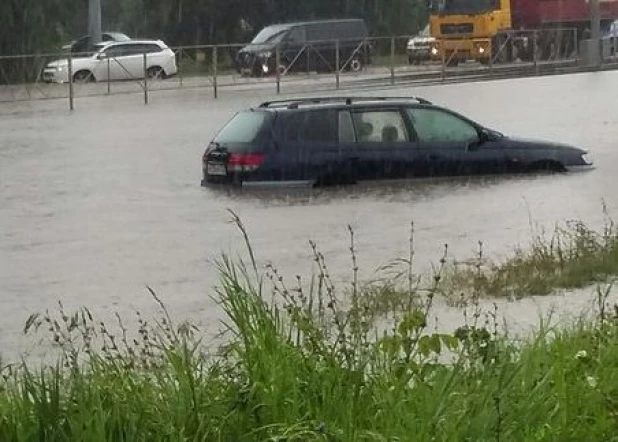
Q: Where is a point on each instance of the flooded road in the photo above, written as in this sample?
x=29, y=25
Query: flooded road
x=96, y=204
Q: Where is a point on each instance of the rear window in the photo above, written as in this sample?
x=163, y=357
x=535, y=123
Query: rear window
x=244, y=127
x=312, y=126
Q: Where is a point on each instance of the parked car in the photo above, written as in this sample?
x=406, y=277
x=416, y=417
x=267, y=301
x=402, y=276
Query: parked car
x=116, y=61
x=306, y=46
x=419, y=47
x=316, y=141
x=85, y=46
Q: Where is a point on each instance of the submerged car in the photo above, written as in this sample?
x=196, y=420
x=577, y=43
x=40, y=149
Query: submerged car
x=116, y=61
x=325, y=141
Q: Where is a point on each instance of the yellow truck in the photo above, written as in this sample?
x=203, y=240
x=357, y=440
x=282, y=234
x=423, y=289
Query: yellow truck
x=506, y=30
x=465, y=29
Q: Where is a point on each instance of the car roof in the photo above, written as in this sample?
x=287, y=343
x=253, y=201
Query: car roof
x=313, y=22
x=118, y=36
x=130, y=42
x=340, y=102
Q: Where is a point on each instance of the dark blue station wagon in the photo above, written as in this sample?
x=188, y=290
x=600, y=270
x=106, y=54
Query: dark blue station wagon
x=331, y=141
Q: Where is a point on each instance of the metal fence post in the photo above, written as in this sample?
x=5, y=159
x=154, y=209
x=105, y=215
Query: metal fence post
x=575, y=45
x=535, y=52
x=180, y=66
x=392, y=60
x=215, y=65
x=145, y=80
x=277, y=69
x=109, y=83
x=491, y=55
x=337, y=64
x=443, y=60
x=70, y=74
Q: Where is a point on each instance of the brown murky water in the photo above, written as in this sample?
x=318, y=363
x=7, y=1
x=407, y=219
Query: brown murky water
x=96, y=204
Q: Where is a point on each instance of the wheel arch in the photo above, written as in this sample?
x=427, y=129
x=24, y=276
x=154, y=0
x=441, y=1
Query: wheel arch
x=84, y=71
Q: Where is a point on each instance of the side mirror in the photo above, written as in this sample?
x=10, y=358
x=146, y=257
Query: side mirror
x=478, y=142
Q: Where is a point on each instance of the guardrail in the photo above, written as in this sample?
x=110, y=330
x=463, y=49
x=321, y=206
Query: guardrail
x=314, y=65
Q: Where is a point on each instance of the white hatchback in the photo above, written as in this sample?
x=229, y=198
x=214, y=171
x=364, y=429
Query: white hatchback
x=116, y=61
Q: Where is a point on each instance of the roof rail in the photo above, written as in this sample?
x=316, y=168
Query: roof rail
x=293, y=103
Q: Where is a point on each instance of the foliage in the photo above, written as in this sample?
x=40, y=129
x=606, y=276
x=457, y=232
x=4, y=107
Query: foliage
x=574, y=256
x=300, y=365
x=31, y=26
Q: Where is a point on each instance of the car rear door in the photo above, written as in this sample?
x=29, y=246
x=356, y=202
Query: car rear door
x=451, y=145
x=385, y=147
x=133, y=60
x=310, y=141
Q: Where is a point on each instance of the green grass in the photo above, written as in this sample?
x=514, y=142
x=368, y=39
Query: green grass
x=573, y=257
x=303, y=365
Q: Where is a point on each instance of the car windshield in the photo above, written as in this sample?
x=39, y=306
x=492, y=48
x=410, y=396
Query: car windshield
x=98, y=49
x=244, y=127
x=271, y=34
x=463, y=6
x=611, y=29
x=424, y=32
x=117, y=36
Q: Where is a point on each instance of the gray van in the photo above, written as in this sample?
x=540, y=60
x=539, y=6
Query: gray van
x=306, y=46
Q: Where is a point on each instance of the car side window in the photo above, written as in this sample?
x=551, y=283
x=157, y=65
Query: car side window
x=296, y=35
x=135, y=49
x=311, y=126
x=152, y=48
x=380, y=127
x=434, y=125
x=114, y=51
x=346, y=128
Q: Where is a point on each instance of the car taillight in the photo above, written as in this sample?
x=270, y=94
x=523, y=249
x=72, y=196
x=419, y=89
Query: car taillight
x=244, y=162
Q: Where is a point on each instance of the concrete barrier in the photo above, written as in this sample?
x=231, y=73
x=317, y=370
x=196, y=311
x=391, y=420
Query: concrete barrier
x=590, y=53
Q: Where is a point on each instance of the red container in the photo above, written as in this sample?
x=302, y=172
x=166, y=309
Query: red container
x=534, y=13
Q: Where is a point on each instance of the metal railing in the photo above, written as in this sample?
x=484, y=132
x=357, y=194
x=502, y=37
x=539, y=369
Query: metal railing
x=307, y=66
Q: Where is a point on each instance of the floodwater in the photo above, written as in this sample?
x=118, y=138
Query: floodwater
x=98, y=203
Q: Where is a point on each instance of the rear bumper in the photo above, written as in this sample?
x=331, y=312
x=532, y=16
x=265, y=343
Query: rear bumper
x=424, y=52
x=260, y=184
x=580, y=168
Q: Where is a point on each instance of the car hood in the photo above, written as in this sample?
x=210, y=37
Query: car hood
x=65, y=62
x=257, y=48
x=58, y=63
x=422, y=40
x=533, y=143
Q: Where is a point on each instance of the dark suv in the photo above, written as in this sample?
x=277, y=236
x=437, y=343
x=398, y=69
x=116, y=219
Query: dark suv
x=306, y=46
x=322, y=141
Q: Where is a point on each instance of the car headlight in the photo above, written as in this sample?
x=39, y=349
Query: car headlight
x=434, y=50
x=587, y=158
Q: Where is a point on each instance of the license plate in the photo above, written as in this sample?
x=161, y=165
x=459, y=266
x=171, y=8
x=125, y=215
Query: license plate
x=216, y=169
